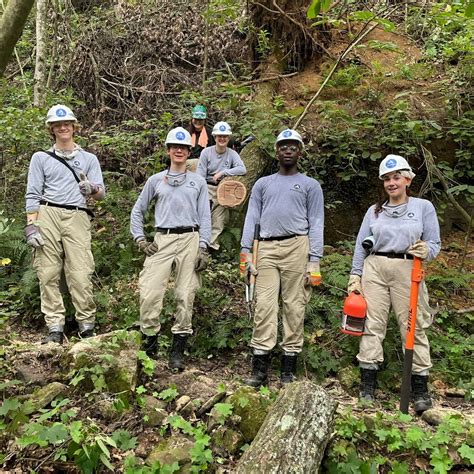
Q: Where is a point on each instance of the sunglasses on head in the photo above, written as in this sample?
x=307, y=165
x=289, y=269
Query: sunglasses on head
x=288, y=147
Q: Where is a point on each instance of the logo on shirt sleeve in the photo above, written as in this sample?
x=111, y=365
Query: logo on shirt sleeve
x=410, y=214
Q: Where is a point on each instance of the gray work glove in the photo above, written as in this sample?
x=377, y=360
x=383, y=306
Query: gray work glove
x=419, y=249
x=33, y=236
x=354, y=284
x=86, y=187
x=148, y=248
x=247, y=267
x=201, y=260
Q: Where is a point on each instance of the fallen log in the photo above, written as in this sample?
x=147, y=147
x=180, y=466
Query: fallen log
x=295, y=433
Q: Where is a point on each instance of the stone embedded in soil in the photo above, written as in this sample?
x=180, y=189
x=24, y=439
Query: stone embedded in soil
x=42, y=397
x=226, y=441
x=435, y=416
x=177, y=448
x=155, y=411
x=455, y=392
x=182, y=402
x=113, y=355
x=349, y=378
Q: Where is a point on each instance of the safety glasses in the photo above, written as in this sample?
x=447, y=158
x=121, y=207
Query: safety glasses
x=292, y=148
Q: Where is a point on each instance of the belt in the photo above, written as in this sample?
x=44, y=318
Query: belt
x=177, y=230
x=68, y=207
x=281, y=237
x=394, y=255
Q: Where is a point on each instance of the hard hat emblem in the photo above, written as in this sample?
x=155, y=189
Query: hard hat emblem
x=61, y=113
x=222, y=128
x=287, y=133
x=391, y=163
x=180, y=136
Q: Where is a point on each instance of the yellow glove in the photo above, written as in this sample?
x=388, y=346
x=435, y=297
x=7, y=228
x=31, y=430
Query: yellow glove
x=313, y=274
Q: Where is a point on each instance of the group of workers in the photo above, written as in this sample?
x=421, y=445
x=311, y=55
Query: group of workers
x=286, y=208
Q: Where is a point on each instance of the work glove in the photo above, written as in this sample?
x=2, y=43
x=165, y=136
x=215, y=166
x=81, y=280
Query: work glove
x=419, y=249
x=312, y=276
x=201, y=260
x=86, y=187
x=247, y=268
x=354, y=284
x=148, y=248
x=33, y=236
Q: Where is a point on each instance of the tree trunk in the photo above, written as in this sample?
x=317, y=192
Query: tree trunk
x=11, y=26
x=295, y=433
x=40, y=68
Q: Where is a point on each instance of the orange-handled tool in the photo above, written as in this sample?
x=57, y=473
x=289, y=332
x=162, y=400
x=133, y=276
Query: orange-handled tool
x=417, y=275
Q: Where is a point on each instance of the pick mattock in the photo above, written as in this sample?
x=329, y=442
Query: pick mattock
x=417, y=275
x=250, y=288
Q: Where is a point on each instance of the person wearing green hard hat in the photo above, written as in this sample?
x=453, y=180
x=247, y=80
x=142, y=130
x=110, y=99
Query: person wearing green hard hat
x=201, y=135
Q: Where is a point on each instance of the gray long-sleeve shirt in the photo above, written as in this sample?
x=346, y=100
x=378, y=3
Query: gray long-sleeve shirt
x=211, y=162
x=50, y=180
x=186, y=205
x=397, y=234
x=286, y=205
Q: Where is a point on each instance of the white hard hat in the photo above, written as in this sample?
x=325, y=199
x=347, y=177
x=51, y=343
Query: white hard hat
x=178, y=136
x=222, y=128
x=393, y=163
x=60, y=113
x=289, y=134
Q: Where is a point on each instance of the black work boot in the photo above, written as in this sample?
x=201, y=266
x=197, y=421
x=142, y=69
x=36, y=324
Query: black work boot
x=86, y=333
x=54, y=336
x=368, y=382
x=176, y=361
x=260, y=365
x=288, y=367
x=421, y=397
x=150, y=345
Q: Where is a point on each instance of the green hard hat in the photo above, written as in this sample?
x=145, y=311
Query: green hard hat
x=199, y=112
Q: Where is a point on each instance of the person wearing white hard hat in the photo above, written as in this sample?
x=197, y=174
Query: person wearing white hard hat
x=183, y=232
x=393, y=231
x=215, y=163
x=60, y=181
x=289, y=208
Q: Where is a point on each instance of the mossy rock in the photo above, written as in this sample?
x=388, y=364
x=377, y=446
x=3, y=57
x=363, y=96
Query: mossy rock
x=252, y=413
x=112, y=355
x=349, y=379
x=227, y=441
x=177, y=448
x=42, y=397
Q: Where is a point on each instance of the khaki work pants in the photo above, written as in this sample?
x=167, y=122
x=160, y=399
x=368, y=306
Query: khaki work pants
x=281, y=268
x=67, y=244
x=219, y=217
x=386, y=283
x=180, y=251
